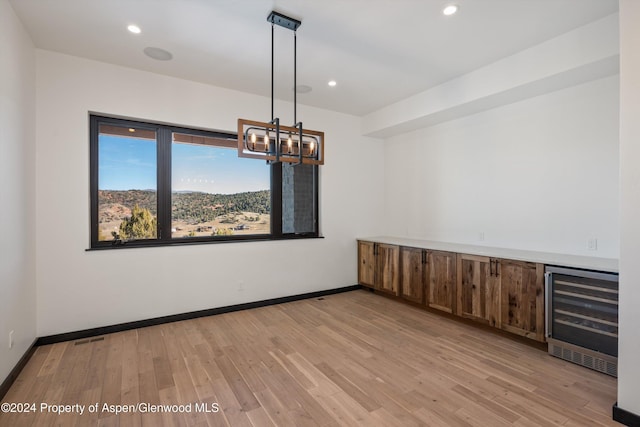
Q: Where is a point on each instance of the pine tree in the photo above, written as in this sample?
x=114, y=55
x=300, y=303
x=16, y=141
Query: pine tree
x=140, y=225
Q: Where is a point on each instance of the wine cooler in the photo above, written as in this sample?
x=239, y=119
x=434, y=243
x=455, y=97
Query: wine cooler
x=582, y=317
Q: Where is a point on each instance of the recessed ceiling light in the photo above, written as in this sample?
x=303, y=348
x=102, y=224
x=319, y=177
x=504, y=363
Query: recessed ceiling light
x=332, y=83
x=158, y=54
x=450, y=10
x=134, y=29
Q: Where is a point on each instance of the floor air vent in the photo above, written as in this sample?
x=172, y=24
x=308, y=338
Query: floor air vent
x=598, y=362
x=88, y=340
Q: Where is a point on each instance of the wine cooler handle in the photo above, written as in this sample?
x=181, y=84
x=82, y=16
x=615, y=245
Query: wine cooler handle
x=548, y=278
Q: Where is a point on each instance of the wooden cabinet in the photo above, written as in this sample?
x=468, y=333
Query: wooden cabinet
x=379, y=266
x=478, y=293
x=387, y=277
x=412, y=274
x=522, y=296
x=428, y=277
x=441, y=281
x=502, y=293
x=366, y=263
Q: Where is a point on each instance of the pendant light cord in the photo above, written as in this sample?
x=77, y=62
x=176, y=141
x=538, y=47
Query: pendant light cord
x=295, y=75
x=295, y=79
x=272, y=71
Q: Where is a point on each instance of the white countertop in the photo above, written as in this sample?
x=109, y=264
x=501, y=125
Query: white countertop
x=548, y=258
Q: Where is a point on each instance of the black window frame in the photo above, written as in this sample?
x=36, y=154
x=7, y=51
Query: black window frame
x=163, y=192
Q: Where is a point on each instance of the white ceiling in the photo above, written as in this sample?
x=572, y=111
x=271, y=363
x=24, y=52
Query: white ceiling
x=379, y=51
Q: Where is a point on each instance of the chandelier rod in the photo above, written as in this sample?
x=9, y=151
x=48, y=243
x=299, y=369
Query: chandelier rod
x=295, y=80
x=272, y=71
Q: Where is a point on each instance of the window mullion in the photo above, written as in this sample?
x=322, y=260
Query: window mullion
x=276, y=200
x=164, y=184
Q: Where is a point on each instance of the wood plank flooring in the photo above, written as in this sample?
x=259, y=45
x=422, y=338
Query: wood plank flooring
x=347, y=359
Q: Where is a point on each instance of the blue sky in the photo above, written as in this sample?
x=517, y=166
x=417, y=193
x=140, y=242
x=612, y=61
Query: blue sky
x=130, y=164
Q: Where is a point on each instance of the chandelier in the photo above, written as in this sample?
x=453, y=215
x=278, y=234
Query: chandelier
x=272, y=141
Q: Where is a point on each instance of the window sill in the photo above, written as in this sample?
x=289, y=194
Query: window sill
x=196, y=241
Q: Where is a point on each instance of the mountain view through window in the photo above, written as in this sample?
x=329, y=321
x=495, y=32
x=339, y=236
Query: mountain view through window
x=213, y=192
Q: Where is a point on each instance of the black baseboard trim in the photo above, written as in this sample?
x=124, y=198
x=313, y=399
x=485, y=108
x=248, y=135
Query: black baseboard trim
x=88, y=333
x=8, y=382
x=625, y=417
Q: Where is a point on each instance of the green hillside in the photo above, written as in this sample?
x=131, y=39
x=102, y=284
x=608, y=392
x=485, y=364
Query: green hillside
x=191, y=207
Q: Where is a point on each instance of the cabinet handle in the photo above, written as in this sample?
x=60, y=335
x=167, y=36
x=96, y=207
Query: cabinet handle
x=490, y=267
x=497, y=274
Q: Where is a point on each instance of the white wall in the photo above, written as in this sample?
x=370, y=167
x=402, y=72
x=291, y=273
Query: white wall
x=79, y=289
x=17, y=189
x=629, y=335
x=539, y=174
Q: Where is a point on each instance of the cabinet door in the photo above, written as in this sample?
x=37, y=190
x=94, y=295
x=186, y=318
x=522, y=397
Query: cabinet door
x=387, y=268
x=366, y=264
x=441, y=282
x=478, y=289
x=522, y=296
x=412, y=262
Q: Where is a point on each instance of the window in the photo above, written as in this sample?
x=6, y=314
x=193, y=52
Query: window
x=157, y=184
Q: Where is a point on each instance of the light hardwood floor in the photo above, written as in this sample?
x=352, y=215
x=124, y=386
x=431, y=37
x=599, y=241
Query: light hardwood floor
x=347, y=359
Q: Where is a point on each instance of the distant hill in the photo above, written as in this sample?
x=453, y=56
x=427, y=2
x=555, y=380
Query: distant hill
x=191, y=207
x=128, y=199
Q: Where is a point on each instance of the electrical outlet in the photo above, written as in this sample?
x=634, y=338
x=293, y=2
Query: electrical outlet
x=11, y=339
x=592, y=244
x=481, y=236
